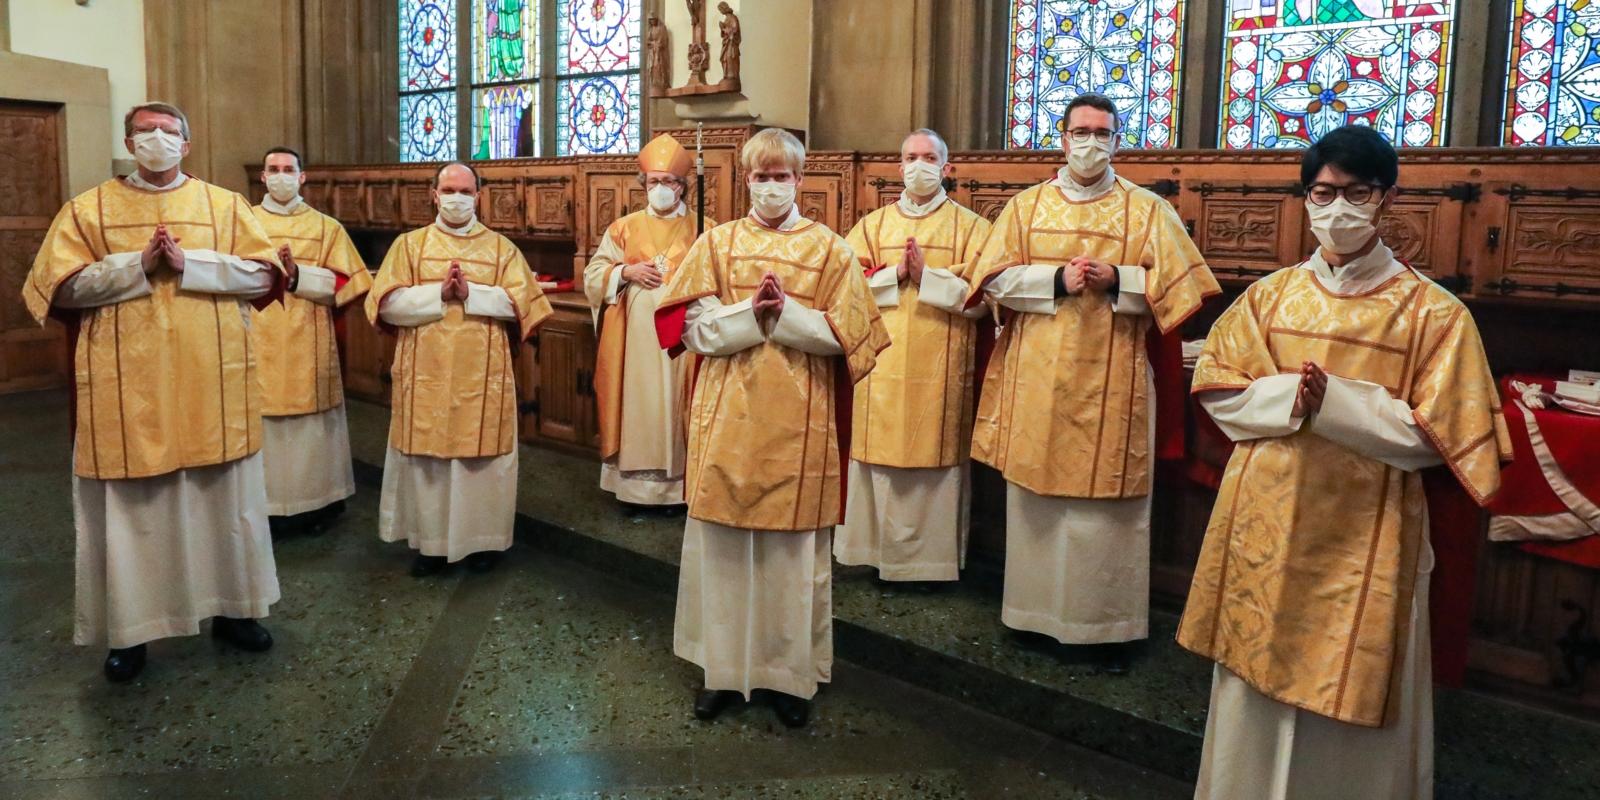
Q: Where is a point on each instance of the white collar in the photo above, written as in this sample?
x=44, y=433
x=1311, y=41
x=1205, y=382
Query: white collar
x=282, y=209
x=912, y=209
x=1077, y=192
x=1356, y=277
x=138, y=181
x=677, y=211
x=461, y=231
x=789, y=223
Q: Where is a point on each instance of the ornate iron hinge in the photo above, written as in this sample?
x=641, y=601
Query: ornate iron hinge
x=1517, y=191
x=1208, y=188
x=1459, y=192
x=1166, y=187
x=1243, y=272
x=1506, y=286
x=1455, y=284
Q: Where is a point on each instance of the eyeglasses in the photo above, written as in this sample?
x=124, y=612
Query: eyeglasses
x=651, y=183
x=1359, y=194
x=1082, y=135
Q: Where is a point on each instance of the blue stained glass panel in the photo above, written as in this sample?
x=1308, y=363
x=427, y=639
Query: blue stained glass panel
x=427, y=44
x=597, y=35
x=505, y=121
x=1553, y=73
x=428, y=126
x=597, y=114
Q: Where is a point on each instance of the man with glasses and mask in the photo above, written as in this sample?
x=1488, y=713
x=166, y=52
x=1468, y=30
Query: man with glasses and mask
x=1084, y=264
x=154, y=274
x=306, y=438
x=459, y=297
x=638, y=386
x=907, y=508
x=1339, y=379
x=778, y=309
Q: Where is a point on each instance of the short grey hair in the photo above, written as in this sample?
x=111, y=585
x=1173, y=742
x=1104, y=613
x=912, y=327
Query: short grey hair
x=938, y=142
x=157, y=108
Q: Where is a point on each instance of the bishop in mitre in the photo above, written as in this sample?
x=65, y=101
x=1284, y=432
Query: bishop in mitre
x=779, y=311
x=306, y=440
x=154, y=275
x=1086, y=263
x=1339, y=379
x=459, y=297
x=908, y=509
x=638, y=386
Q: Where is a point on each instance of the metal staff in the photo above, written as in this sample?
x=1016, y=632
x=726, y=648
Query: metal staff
x=700, y=178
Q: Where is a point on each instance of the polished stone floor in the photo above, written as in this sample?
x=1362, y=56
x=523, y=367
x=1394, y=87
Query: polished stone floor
x=541, y=679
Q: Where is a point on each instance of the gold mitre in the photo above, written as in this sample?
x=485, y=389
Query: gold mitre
x=664, y=154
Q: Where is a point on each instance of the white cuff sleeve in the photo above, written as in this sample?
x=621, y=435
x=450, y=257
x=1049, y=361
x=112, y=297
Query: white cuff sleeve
x=806, y=330
x=943, y=290
x=614, y=285
x=489, y=301
x=713, y=329
x=117, y=277
x=1130, y=291
x=316, y=284
x=1030, y=288
x=1363, y=417
x=885, y=286
x=413, y=305
x=1263, y=410
x=211, y=272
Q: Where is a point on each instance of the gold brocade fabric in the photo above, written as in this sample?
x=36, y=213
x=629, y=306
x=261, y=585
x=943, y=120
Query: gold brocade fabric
x=299, y=367
x=454, y=392
x=915, y=408
x=642, y=236
x=1064, y=406
x=166, y=381
x=1309, y=563
x=763, y=436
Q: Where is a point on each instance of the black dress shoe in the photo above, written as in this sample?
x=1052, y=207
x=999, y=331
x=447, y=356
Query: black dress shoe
x=422, y=566
x=483, y=561
x=245, y=634
x=1116, y=658
x=793, y=712
x=711, y=702
x=124, y=663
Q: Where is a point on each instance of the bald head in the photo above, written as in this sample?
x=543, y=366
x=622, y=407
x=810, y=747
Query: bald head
x=455, y=178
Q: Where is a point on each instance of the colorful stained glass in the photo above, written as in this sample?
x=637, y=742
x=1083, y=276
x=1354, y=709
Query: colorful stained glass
x=598, y=114
x=597, y=36
x=1553, y=73
x=428, y=126
x=1128, y=50
x=505, y=121
x=505, y=40
x=1295, y=69
x=427, y=44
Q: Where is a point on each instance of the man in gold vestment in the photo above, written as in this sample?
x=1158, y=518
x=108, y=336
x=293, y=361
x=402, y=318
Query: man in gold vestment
x=1339, y=379
x=154, y=274
x=1086, y=263
x=907, y=510
x=638, y=385
x=781, y=314
x=306, y=441
x=458, y=296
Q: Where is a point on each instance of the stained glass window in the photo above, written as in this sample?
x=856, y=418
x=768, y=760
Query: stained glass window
x=427, y=126
x=505, y=40
x=1128, y=50
x=1553, y=73
x=427, y=44
x=505, y=121
x=1295, y=69
x=597, y=55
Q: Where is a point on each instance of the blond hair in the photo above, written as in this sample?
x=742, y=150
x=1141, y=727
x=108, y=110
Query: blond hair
x=770, y=147
x=156, y=108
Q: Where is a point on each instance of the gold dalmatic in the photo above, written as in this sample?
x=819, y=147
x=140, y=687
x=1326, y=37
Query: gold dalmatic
x=643, y=237
x=915, y=408
x=299, y=354
x=166, y=381
x=1065, y=402
x=454, y=392
x=763, y=431
x=1306, y=575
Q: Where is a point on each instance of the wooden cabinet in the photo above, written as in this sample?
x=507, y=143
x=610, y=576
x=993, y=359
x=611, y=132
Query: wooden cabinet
x=1539, y=243
x=563, y=410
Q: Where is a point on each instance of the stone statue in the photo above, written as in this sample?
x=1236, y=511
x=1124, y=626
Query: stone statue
x=699, y=53
x=660, y=57
x=731, y=37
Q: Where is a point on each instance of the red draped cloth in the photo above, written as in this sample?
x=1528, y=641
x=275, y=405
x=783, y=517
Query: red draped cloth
x=1529, y=504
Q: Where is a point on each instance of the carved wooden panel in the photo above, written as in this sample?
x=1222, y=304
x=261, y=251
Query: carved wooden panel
x=987, y=204
x=501, y=205
x=550, y=210
x=315, y=192
x=347, y=203
x=31, y=357
x=1245, y=230
x=1541, y=243
x=416, y=205
x=1240, y=229
x=1554, y=242
x=636, y=199
x=383, y=206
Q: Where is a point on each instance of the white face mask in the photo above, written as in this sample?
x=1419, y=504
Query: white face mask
x=771, y=199
x=157, y=150
x=457, y=209
x=1341, y=226
x=1089, y=158
x=921, y=178
x=283, y=186
x=662, y=198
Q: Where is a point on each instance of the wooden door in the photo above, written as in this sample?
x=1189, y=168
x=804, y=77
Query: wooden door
x=31, y=357
x=565, y=384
